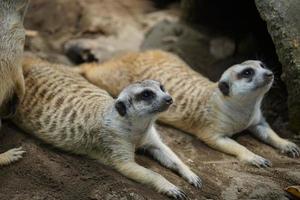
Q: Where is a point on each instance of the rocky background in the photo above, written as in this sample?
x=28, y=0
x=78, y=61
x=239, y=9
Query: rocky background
x=210, y=35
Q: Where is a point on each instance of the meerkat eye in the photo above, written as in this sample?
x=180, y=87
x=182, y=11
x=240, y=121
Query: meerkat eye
x=162, y=88
x=246, y=73
x=147, y=94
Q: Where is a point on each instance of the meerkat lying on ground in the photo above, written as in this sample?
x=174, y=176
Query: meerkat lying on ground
x=12, y=88
x=65, y=110
x=211, y=111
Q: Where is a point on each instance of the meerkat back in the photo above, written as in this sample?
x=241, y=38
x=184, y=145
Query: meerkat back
x=59, y=105
x=183, y=83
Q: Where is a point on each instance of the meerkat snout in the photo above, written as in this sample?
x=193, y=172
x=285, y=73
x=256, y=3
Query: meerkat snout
x=168, y=100
x=268, y=75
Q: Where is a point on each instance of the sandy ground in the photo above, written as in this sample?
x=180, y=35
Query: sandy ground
x=47, y=173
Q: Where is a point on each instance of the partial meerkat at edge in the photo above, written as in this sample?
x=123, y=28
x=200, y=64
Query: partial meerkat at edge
x=211, y=111
x=12, y=87
x=65, y=110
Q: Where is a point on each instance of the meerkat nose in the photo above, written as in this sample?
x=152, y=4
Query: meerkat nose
x=168, y=100
x=268, y=74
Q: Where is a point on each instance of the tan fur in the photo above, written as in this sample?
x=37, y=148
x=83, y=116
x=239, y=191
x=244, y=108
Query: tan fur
x=158, y=65
x=12, y=87
x=65, y=110
x=200, y=108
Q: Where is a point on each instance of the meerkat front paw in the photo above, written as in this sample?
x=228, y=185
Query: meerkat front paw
x=176, y=193
x=193, y=179
x=11, y=155
x=257, y=161
x=291, y=149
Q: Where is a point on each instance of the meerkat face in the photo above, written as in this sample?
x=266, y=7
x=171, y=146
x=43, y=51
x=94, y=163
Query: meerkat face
x=143, y=99
x=248, y=78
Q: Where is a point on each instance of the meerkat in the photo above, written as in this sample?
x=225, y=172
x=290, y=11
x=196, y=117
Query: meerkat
x=12, y=87
x=212, y=111
x=65, y=110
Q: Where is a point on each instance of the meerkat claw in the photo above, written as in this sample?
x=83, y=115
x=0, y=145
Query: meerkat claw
x=259, y=162
x=177, y=194
x=197, y=182
x=263, y=163
x=13, y=155
x=16, y=153
x=266, y=163
x=292, y=150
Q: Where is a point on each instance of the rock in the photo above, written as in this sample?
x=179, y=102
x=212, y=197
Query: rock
x=283, y=22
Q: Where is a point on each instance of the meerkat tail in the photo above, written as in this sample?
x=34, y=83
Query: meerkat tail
x=11, y=155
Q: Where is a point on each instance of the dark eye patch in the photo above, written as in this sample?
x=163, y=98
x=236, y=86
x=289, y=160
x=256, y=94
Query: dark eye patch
x=246, y=73
x=146, y=95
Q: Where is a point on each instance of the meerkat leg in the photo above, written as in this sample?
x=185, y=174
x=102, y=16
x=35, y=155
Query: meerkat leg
x=163, y=154
x=11, y=155
x=264, y=132
x=143, y=175
x=229, y=146
x=123, y=161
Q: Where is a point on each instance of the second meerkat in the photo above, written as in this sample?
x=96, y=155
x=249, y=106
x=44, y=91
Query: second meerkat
x=65, y=110
x=211, y=111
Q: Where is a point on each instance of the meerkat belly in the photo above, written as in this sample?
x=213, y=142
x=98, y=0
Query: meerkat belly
x=232, y=122
x=61, y=110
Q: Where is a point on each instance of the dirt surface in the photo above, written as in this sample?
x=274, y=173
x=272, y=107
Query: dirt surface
x=46, y=173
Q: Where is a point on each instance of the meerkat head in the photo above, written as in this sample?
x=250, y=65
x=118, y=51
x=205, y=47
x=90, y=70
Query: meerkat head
x=143, y=99
x=248, y=78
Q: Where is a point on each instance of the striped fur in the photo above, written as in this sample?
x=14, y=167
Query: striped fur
x=63, y=109
x=200, y=107
x=187, y=112
x=57, y=107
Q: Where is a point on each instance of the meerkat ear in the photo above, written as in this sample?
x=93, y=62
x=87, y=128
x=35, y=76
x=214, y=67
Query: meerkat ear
x=121, y=108
x=224, y=88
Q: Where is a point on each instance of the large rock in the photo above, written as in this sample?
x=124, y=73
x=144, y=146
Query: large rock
x=283, y=21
